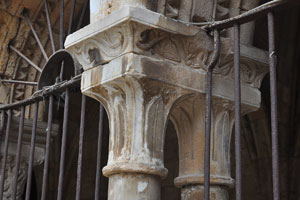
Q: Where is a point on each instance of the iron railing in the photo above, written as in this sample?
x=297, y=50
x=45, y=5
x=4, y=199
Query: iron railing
x=235, y=22
x=64, y=86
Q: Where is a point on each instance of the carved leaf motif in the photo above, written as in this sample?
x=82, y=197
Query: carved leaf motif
x=111, y=43
x=168, y=49
x=247, y=73
x=102, y=47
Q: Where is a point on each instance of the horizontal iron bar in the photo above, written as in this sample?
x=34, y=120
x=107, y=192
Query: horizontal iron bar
x=19, y=82
x=250, y=15
x=40, y=94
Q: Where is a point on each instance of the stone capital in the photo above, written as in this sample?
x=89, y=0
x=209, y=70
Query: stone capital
x=138, y=109
x=143, y=32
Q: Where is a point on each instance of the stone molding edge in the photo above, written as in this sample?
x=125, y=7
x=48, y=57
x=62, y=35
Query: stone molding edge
x=153, y=36
x=135, y=14
x=198, y=179
x=140, y=168
x=142, y=66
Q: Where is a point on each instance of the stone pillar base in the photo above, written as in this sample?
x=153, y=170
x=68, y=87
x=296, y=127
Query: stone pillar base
x=134, y=187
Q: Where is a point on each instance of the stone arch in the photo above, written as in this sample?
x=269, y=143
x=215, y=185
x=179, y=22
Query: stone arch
x=171, y=162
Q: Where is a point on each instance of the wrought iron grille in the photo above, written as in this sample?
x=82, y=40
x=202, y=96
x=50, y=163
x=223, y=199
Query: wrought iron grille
x=57, y=84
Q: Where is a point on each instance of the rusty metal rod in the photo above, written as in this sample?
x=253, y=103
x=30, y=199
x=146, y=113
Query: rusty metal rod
x=32, y=148
x=250, y=15
x=99, y=152
x=4, y=159
x=208, y=95
x=61, y=35
x=49, y=25
x=18, y=82
x=18, y=156
x=63, y=145
x=274, y=120
x=71, y=17
x=48, y=139
x=86, y=3
x=237, y=104
x=2, y=125
x=61, y=25
x=79, y=165
x=40, y=94
x=35, y=36
x=25, y=58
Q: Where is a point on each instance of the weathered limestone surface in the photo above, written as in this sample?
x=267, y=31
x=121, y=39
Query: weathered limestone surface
x=145, y=68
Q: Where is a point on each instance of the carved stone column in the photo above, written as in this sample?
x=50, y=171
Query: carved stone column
x=188, y=116
x=141, y=65
x=189, y=119
x=25, y=152
x=138, y=110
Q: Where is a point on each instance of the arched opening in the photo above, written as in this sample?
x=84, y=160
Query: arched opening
x=171, y=162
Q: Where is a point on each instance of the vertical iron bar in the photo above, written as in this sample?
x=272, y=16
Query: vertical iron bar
x=208, y=114
x=99, y=151
x=49, y=25
x=237, y=104
x=2, y=126
x=63, y=146
x=79, y=165
x=46, y=162
x=82, y=14
x=273, y=93
x=71, y=17
x=207, y=136
x=5, y=154
x=36, y=36
x=32, y=148
x=61, y=35
x=18, y=156
x=61, y=25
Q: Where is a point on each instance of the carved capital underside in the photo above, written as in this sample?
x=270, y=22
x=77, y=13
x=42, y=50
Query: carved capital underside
x=188, y=116
x=138, y=109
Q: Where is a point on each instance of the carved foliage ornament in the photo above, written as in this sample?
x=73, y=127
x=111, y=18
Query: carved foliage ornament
x=192, y=51
x=138, y=111
x=104, y=47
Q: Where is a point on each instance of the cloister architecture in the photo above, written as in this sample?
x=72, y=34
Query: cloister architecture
x=146, y=62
